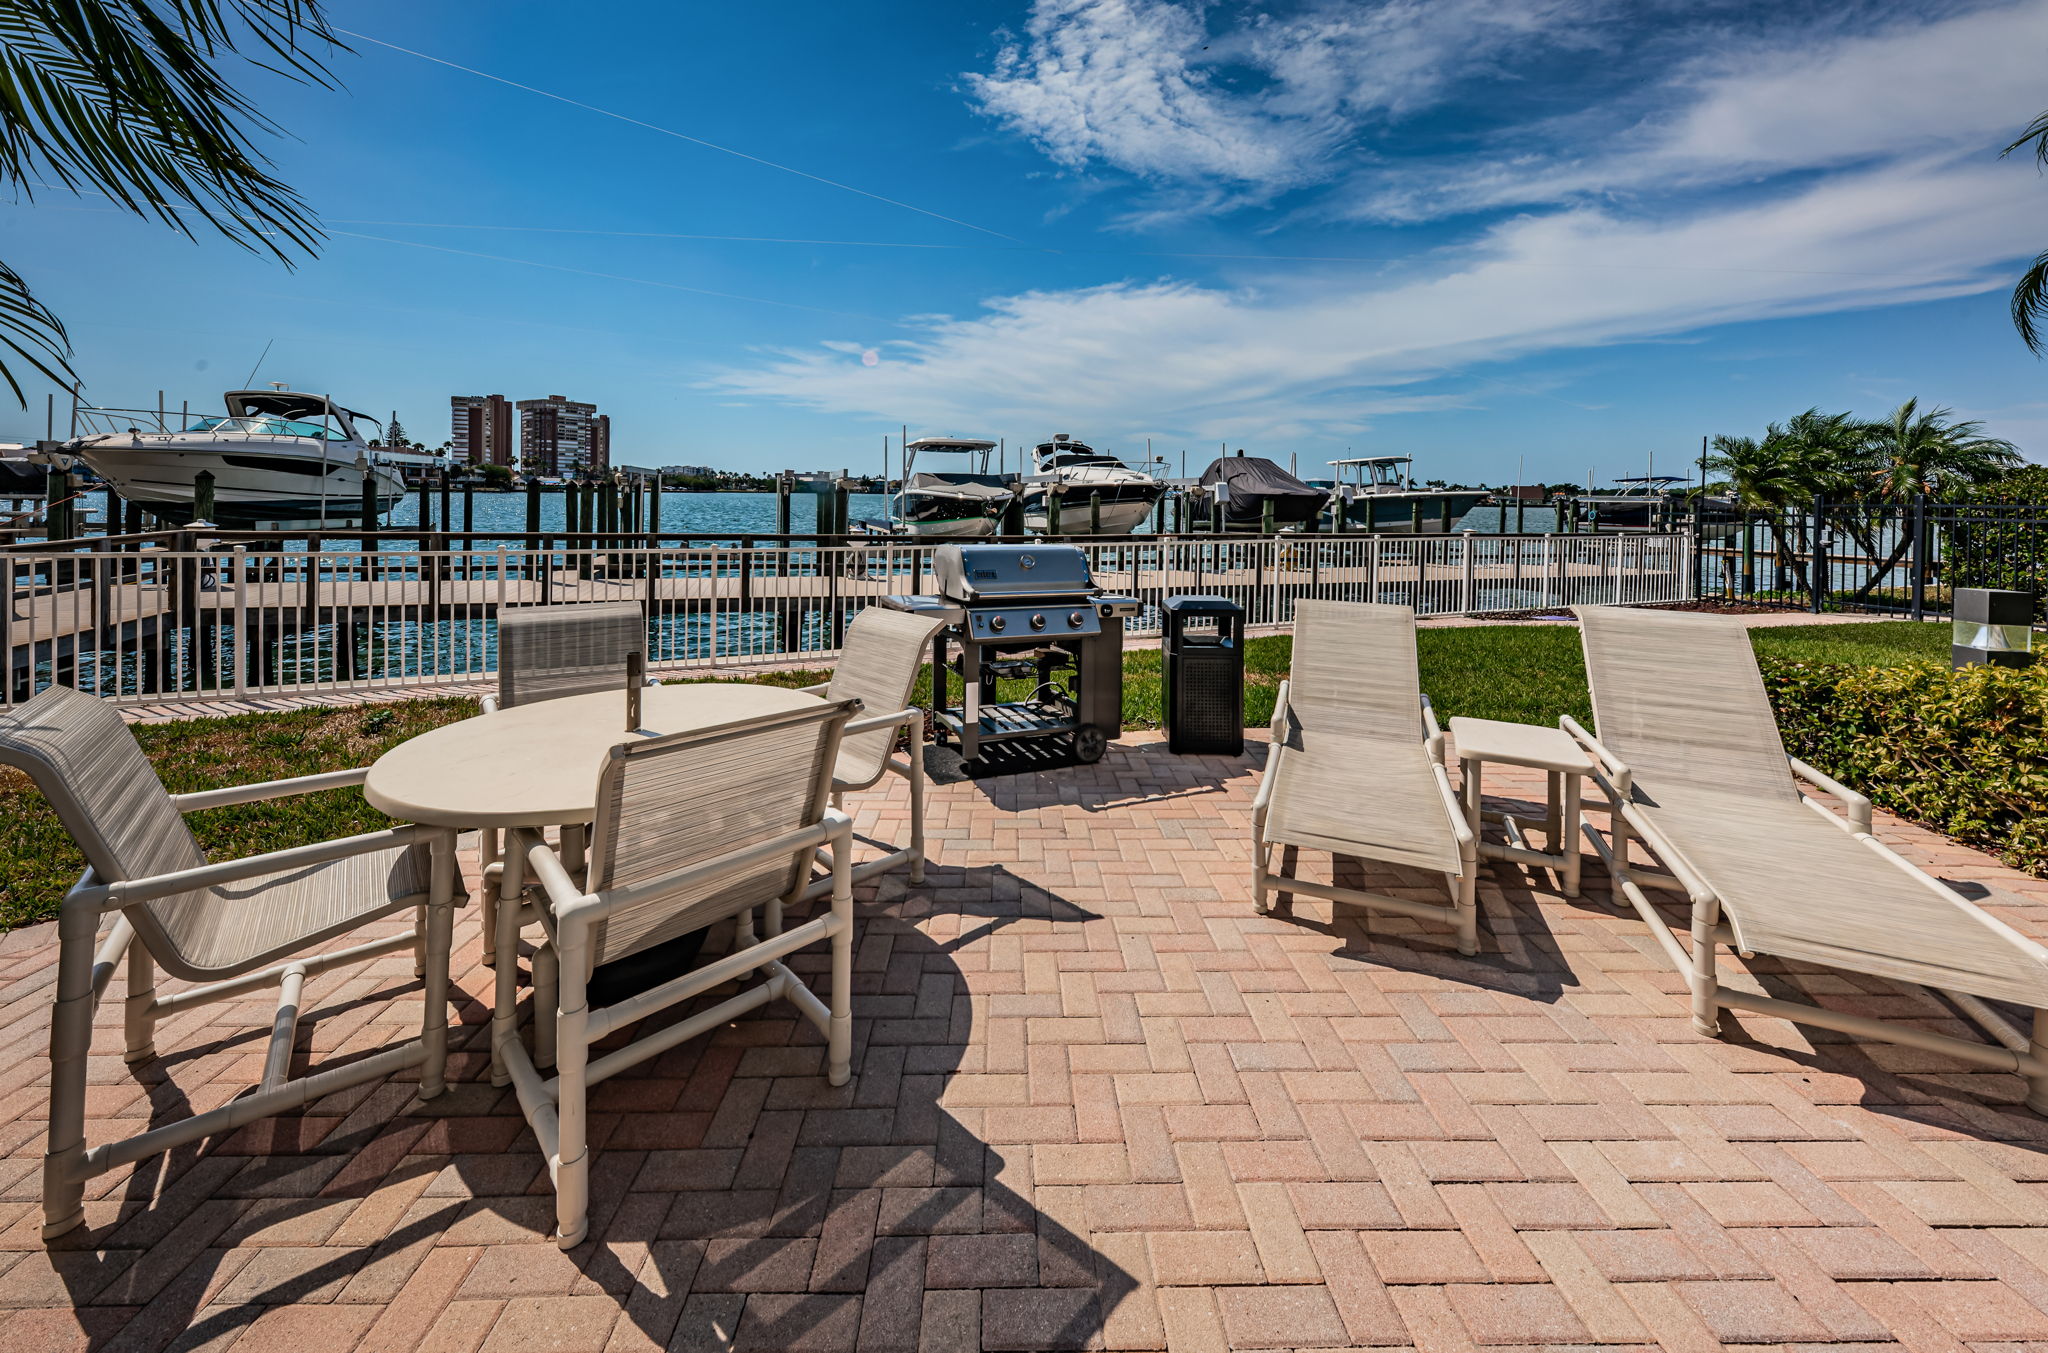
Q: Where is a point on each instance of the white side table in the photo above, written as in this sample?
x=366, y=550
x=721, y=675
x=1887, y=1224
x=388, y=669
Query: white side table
x=1563, y=762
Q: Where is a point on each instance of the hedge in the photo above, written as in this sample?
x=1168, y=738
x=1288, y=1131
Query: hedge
x=1963, y=752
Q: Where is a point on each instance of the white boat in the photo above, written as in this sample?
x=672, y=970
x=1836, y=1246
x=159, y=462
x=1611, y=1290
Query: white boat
x=280, y=460
x=1074, y=474
x=958, y=501
x=1379, y=495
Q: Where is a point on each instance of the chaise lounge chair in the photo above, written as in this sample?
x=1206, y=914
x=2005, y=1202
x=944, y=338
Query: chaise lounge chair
x=1357, y=767
x=1690, y=752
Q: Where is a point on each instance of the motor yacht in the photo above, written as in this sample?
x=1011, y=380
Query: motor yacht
x=1074, y=474
x=281, y=459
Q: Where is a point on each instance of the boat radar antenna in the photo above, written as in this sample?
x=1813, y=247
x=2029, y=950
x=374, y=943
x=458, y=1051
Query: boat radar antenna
x=259, y=363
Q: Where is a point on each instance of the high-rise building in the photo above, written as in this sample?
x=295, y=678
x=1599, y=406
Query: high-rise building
x=559, y=436
x=483, y=429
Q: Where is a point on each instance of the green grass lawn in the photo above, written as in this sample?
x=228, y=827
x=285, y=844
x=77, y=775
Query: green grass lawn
x=1521, y=673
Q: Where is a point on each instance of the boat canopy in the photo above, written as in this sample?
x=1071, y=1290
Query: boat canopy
x=1375, y=460
x=945, y=444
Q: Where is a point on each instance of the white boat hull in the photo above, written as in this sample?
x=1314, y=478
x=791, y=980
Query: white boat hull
x=1117, y=518
x=258, y=482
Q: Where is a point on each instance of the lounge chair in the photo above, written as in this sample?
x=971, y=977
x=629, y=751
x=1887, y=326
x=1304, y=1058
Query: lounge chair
x=878, y=665
x=1689, y=750
x=233, y=928
x=546, y=653
x=1357, y=767
x=692, y=829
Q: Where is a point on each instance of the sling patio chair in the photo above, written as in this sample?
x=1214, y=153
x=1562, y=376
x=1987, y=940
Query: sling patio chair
x=230, y=928
x=692, y=829
x=878, y=665
x=1689, y=757
x=1356, y=768
x=545, y=653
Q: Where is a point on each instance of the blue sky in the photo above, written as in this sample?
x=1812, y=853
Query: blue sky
x=1577, y=232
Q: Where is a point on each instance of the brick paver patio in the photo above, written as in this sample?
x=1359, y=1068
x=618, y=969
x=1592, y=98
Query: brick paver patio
x=1098, y=1103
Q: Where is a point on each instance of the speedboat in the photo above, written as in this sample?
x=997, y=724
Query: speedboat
x=1074, y=475
x=959, y=500
x=280, y=459
x=1380, y=495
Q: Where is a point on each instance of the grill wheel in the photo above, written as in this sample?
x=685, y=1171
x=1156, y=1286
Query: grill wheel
x=1090, y=743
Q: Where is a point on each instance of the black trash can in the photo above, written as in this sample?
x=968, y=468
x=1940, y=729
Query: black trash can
x=1203, y=648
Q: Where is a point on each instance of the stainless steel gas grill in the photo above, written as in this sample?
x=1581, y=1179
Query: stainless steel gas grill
x=1030, y=612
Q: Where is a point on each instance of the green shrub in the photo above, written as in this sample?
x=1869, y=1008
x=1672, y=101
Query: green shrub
x=1963, y=752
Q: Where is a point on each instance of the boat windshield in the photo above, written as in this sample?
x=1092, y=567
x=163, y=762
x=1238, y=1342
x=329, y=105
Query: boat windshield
x=267, y=427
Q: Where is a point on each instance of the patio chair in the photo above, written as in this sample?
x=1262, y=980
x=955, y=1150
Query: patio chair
x=692, y=829
x=1356, y=768
x=545, y=653
x=1689, y=755
x=231, y=928
x=878, y=665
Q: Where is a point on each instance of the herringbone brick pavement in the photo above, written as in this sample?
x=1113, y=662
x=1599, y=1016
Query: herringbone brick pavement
x=1099, y=1103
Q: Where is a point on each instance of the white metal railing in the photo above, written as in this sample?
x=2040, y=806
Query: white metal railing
x=155, y=625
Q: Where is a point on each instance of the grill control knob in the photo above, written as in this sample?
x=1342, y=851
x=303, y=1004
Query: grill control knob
x=998, y=624
x=1074, y=619
x=1038, y=622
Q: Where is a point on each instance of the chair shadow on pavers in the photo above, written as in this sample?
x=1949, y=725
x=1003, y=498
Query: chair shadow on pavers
x=1519, y=955
x=1901, y=1082
x=737, y=1200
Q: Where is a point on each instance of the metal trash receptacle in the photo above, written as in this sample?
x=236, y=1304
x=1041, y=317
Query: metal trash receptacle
x=1203, y=647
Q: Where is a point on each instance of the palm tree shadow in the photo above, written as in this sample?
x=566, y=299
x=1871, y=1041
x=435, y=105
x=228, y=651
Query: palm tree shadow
x=833, y=1208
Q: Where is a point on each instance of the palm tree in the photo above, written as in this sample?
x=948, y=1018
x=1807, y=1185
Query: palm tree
x=2030, y=297
x=1912, y=453
x=1767, y=475
x=1762, y=474
x=136, y=101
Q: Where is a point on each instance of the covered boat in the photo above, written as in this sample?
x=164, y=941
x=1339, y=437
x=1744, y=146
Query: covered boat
x=1252, y=482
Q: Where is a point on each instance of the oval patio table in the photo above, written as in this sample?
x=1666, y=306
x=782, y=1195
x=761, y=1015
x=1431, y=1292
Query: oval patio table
x=536, y=766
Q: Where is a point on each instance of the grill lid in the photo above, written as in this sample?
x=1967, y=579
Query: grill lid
x=973, y=573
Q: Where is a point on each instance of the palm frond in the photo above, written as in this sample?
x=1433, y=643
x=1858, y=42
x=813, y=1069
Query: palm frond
x=32, y=332
x=2036, y=132
x=133, y=100
x=2030, y=306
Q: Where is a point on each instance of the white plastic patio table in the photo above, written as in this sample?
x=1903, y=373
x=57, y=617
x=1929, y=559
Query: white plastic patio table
x=536, y=765
x=1550, y=750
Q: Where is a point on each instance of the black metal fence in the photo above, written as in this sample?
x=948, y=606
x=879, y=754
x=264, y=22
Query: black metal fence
x=1879, y=558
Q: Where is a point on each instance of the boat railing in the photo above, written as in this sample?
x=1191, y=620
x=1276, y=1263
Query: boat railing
x=96, y=420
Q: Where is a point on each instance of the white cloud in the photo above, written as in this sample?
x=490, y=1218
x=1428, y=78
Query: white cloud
x=1747, y=112
x=1762, y=181
x=1180, y=359
x=1145, y=86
